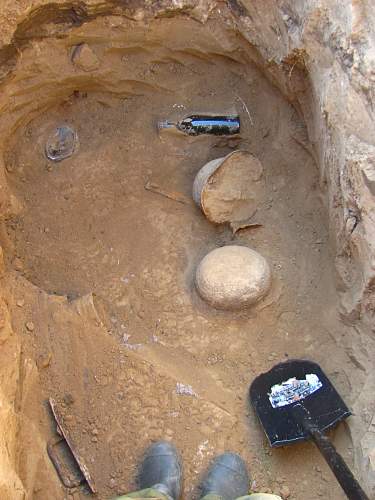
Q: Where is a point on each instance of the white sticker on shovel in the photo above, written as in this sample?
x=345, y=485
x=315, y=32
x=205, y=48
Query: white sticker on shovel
x=293, y=390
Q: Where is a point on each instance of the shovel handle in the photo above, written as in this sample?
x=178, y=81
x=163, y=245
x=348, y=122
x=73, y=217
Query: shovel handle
x=337, y=464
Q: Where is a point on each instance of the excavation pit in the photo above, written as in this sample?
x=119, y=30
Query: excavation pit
x=101, y=248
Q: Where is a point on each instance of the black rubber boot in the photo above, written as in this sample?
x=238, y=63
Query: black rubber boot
x=161, y=469
x=227, y=477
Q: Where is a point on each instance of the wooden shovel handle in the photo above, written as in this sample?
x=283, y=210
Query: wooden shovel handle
x=337, y=464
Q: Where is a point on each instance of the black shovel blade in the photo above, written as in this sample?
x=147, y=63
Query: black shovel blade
x=324, y=404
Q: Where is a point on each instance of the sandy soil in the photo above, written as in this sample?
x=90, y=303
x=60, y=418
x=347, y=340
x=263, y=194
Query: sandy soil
x=103, y=269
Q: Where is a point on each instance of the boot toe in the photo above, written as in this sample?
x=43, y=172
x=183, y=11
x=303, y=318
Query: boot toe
x=161, y=466
x=227, y=477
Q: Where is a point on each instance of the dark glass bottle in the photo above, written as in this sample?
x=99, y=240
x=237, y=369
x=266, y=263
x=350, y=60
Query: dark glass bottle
x=205, y=124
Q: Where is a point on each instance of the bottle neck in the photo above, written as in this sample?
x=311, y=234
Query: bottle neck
x=166, y=124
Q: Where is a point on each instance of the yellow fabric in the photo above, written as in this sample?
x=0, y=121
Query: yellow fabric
x=144, y=495
x=150, y=493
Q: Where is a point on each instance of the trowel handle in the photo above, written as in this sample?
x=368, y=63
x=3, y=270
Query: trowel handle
x=337, y=464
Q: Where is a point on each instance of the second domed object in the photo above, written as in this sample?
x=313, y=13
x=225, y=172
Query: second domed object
x=233, y=277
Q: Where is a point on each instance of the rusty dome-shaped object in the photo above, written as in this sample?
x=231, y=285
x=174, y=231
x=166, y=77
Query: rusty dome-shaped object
x=230, y=189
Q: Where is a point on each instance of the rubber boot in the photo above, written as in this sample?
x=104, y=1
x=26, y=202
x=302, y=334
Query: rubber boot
x=227, y=478
x=161, y=470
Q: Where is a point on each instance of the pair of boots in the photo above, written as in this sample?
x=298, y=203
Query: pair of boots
x=160, y=477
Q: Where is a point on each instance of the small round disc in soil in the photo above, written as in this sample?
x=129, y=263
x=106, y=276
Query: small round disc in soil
x=61, y=143
x=233, y=277
x=230, y=189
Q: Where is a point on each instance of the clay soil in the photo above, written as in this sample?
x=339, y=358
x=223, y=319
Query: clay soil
x=102, y=280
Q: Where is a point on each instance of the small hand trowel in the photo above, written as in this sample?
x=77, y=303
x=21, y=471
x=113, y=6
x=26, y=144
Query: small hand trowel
x=295, y=401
